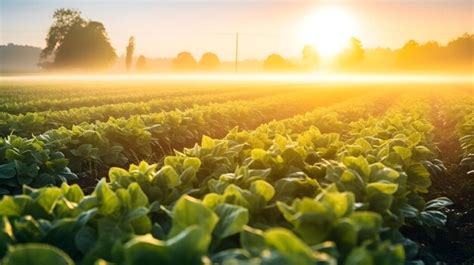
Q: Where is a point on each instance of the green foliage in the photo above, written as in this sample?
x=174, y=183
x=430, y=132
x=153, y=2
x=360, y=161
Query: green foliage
x=77, y=43
x=36, y=254
x=285, y=193
x=466, y=140
x=30, y=162
x=92, y=148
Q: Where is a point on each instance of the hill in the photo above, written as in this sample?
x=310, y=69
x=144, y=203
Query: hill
x=19, y=58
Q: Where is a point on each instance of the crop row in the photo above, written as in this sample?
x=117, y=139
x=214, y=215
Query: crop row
x=466, y=138
x=89, y=149
x=283, y=194
x=456, y=117
x=34, y=123
x=85, y=98
x=69, y=90
x=76, y=89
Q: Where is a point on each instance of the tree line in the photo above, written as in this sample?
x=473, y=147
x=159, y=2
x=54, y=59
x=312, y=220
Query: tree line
x=73, y=42
x=184, y=61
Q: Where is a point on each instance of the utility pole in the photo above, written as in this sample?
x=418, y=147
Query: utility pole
x=236, y=52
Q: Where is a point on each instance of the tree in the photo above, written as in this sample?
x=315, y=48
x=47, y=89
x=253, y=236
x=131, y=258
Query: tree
x=456, y=55
x=209, y=62
x=310, y=57
x=407, y=54
x=460, y=51
x=184, y=61
x=77, y=43
x=276, y=63
x=63, y=21
x=353, y=55
x=129, y=55
x=141, y=63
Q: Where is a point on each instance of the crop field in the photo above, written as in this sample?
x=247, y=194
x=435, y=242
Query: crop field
x=216, y=172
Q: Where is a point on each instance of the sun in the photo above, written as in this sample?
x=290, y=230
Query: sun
x=329, y=30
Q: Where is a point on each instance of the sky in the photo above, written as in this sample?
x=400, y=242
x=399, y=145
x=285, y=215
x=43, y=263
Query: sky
x=163, y=28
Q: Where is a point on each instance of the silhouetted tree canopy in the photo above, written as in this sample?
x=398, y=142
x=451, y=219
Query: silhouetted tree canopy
x=63, y=20
x=77, y=43
x=276, y=63
x=353, y=55
x=184, y=61
x=129, y=54
x=458, y=53
x=462, y=45
x=141, y=64
x=209, y=62
x=310, y=57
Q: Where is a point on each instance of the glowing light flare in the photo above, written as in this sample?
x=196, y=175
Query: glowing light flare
x=329, y=29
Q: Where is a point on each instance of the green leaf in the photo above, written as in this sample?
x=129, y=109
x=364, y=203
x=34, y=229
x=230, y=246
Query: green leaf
x=387, y=188
x=368, y=223
x=115, y=173
x=379, y=201
x=434, y=218
x=207, y=142
x=7, y=236
x=36, y=254
x=359, y=256
x=358, y=163
x=7, y=171
x=189, y=246
x=168, y=175
x=422, y=153
x=9, y=207
x=344, y=234
x=189, y=211
x=137, y=197
x=310, y=218
x=211, y=200
x=146, y=250
x=419, y=176
x=259, y=154
x=85, y=239
x=235, y=195
x=57, y=164
x=232, y=219
x=380, y=172
x=13, y=154
x=289, y=246
x=403, y=152
x=48, y=198
x=252, y=240
x=107, y=199
x=342, y=203
x=192, y=162
x=263, y=188
x=364, y=144
x=439, y=203
x=136, y=213
x=74, y=193
x=142, y=225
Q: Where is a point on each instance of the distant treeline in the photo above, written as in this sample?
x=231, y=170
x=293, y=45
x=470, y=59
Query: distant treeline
x=74, y=43
x=19, y=58
x=457, y=55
